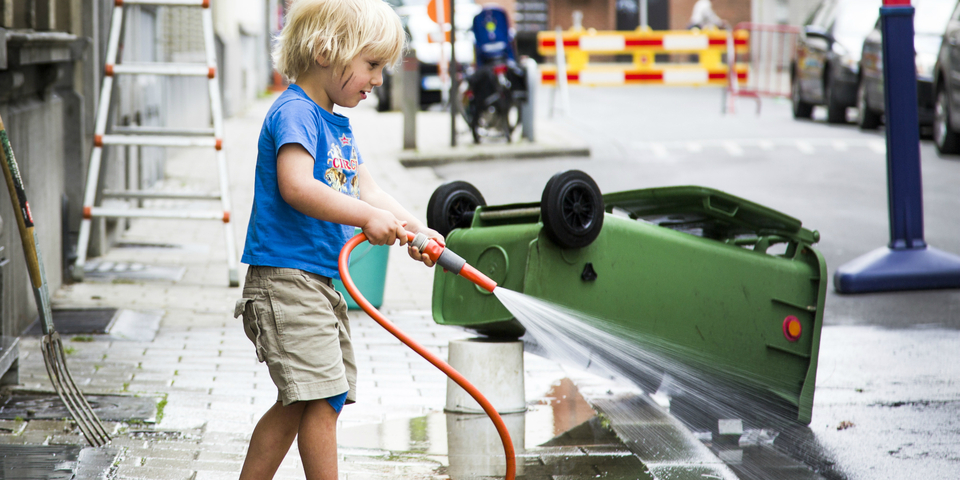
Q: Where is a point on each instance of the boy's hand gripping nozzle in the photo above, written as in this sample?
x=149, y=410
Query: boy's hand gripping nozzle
x=450, y=261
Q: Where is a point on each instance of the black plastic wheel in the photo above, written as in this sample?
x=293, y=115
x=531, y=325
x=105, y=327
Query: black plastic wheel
x=451, y=206
x=572, y=209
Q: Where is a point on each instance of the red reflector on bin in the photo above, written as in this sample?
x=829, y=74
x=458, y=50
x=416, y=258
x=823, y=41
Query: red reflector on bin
x=792, y=328
x=500, y=69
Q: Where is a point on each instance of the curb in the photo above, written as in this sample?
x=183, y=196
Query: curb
x=431, y=158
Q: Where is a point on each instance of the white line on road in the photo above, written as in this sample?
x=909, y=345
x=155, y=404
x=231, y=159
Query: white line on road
x=732, y=148
x=658, y=149
x=765, y=145
x=694, y=147
x=805, y=147
x=839, y=145
x=878, y=146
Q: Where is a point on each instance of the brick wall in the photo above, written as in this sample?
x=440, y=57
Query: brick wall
x=733, y=11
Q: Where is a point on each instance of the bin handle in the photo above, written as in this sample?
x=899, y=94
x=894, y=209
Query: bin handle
x=729, y=211
x=357, y=258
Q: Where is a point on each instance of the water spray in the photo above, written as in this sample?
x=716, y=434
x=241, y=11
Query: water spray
x=452, y=262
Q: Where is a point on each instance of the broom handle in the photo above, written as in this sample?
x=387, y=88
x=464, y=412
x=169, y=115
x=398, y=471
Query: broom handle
x=28, y=236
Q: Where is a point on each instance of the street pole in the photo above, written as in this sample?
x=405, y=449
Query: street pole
x=642, y=6
x=454, y=80
x=907, y=262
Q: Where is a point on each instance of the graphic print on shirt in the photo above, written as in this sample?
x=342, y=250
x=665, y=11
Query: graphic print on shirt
x=341, y=173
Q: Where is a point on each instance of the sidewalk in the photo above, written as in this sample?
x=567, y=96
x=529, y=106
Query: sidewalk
x=178, y=348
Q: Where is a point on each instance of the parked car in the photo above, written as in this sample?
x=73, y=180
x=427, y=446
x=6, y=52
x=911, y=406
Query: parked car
x=424, y=35
x=825, y=70
x=946, y=85
x=929, y=21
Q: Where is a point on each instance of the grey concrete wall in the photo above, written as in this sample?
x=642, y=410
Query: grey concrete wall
x=35, y=128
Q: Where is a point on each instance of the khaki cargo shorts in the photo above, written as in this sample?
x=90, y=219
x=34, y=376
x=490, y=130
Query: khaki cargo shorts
x=299, y=325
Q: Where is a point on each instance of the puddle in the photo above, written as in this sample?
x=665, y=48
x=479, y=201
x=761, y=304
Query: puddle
x=558, y=434
x=552, y=420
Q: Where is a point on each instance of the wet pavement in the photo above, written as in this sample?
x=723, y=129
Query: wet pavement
x=177, y=383
x=188, y=390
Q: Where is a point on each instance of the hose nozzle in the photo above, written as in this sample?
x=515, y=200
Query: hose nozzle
x=450, y=261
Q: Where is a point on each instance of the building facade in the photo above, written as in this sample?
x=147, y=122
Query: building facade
x=51, y=69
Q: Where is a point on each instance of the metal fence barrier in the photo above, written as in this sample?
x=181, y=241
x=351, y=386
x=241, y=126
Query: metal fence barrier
x=771, y=50
x=662, y=57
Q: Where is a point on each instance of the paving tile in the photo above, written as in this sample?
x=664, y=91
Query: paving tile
x=125, y=472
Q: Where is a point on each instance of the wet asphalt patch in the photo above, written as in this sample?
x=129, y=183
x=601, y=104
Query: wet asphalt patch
x=110, y=408
x=55, y=462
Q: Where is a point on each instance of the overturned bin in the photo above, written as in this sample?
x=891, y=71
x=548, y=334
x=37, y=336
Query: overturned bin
x=734, y=287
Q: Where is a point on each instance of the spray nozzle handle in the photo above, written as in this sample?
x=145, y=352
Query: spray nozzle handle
x=449, y=261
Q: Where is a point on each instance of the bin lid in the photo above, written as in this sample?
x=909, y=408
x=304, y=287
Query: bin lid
x=707, y=212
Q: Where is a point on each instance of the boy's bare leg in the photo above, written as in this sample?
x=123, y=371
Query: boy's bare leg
x=318, y=440
x=271, y=440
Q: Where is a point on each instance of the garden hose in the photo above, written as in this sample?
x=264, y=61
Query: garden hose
x=452, y=262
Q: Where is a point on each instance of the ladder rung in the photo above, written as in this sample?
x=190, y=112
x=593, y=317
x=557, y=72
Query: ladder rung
x=153, y=130
x=160, y=195
x=157, y=213
x=168, y=3
x=159, y=141
x=185, y=69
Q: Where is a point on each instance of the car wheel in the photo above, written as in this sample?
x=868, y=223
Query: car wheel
x=944, y=136
x=452, y=205
x=571, y=209
x=867, y=119
x=801, y=109
x=383, y=95
x=836, y=112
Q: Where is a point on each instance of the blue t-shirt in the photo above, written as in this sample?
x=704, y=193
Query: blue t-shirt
x=278, y=235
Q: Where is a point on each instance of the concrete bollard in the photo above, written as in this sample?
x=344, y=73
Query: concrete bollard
x=528, y=109
x=410, y=103
x=494, y=367
x=474, y=448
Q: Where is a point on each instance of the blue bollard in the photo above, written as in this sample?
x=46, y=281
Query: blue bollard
x=907, y=263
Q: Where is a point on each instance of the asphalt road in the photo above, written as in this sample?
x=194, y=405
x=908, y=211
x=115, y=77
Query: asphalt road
x=888, y=389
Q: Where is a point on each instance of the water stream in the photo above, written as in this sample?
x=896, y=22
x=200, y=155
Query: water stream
x=715, y=402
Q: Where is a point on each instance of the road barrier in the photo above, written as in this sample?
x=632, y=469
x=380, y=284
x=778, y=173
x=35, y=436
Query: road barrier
x=645, y=46
x=771, y=49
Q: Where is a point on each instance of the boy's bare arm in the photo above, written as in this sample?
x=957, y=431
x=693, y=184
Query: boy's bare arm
x=371, y=193
x=312, y=197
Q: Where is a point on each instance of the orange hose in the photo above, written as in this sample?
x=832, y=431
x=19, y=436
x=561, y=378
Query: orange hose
x=344, y=262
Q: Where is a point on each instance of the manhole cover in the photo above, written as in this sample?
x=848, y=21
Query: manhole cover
x=55, y=462
x=140, y=326
x=110, y=408
x=132, y=271
x=77, y=320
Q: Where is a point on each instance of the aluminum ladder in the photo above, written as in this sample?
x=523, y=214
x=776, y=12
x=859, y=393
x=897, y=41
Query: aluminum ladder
x=158, y=136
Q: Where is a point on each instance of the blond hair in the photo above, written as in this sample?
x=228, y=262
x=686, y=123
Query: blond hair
x=338, y=31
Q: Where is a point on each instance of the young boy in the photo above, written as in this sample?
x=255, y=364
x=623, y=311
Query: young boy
x=312, y=188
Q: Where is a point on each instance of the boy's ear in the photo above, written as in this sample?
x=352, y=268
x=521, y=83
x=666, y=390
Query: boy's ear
x=322, y=61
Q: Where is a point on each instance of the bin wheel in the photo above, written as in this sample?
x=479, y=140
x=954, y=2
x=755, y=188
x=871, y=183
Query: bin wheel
x=572, y=209
x=451, y=206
